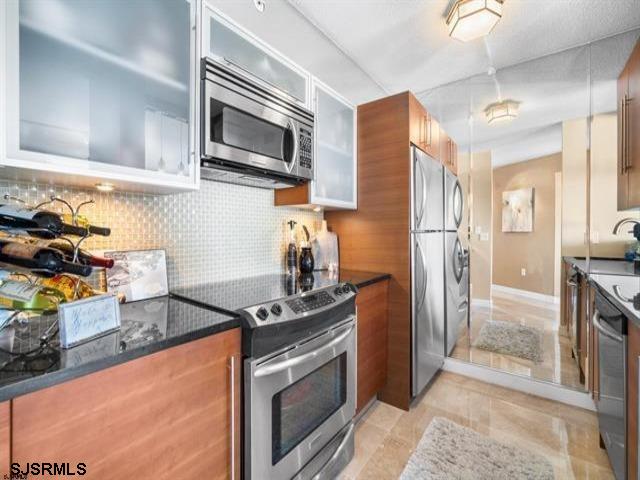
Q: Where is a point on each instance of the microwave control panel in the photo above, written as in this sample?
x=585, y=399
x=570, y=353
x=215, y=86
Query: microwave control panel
x=306, y=149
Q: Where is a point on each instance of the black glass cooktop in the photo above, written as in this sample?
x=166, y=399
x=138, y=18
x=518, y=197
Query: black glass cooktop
x=233, y=295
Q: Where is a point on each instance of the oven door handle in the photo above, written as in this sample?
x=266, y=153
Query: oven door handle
x=604, y=331
x=277, y=367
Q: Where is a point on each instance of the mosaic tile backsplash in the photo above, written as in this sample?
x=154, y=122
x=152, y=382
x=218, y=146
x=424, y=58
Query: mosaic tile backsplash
x=219, y=232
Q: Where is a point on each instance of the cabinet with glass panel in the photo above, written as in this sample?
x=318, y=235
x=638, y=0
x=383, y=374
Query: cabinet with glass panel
x=100, y=92
x=335, y=185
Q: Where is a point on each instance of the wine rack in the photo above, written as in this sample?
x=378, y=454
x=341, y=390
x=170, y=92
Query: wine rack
x=56, y=252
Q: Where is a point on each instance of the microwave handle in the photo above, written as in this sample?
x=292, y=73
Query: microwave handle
x=296, y=145
x=277, y=367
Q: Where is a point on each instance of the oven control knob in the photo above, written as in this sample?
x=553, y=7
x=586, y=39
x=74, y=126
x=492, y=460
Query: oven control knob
x=262, y=313
x=338, y=290
x=346, y=289
x=276, y=309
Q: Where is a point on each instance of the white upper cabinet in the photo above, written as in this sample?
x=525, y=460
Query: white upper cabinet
x=335, y=184
x=223, y=40
x=101, y=91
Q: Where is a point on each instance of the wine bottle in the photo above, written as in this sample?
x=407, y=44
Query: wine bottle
x=38, y=223
x=83, y=222
x=84, y=257
x=23, y=296
x=43, y=261
x=67, y=285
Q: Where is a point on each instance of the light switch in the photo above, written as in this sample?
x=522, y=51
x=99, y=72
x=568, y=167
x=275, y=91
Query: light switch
x=523, y=272
x=484, y=237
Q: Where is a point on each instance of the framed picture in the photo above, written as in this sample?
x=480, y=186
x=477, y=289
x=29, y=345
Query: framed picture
x=138, y=274
x=517, y=210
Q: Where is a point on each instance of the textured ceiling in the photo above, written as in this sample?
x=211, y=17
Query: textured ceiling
x=367, y=49
x=404, y=44
x=538, y=51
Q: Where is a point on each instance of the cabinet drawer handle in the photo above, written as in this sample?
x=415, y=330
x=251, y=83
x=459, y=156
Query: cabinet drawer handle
x=623, y=143
x=629, y=160
x=232, y=378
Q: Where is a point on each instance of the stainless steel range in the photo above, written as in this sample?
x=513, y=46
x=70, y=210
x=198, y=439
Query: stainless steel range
x=299, y=344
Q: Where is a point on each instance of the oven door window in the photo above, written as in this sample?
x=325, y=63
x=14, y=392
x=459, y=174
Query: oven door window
x=238, y=129
x=302, y=407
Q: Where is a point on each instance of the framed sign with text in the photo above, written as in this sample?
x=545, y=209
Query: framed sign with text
x=87, y=319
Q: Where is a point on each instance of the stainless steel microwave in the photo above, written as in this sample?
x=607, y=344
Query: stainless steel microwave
x=252, y=133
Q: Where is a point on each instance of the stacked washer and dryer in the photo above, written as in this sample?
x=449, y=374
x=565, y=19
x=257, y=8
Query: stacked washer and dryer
x=439, y=267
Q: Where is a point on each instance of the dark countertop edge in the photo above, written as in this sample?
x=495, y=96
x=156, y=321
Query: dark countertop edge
x=378, y=277
x=623, y=308
x=39, y=382
x=574, y=261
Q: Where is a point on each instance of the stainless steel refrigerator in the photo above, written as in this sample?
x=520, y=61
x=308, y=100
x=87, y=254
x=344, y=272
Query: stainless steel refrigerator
x=427, y=269
x=456, y=263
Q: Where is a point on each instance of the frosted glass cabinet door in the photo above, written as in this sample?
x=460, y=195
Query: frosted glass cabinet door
x=225, y=41
x=102, y=84
x=335, y=183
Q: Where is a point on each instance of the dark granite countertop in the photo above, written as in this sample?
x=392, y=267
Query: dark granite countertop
x=148, y=326
x=622, y=290
x=362, y=279
x=602, y=266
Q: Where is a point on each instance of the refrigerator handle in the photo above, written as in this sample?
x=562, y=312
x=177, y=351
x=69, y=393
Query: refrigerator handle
x=423, y=293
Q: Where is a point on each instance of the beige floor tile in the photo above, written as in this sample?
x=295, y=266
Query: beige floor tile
x=382, y=415
x=566, y=436
x=557, y=365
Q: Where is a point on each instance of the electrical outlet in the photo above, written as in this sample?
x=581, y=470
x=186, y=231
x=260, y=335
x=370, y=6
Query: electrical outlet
x=523, y=272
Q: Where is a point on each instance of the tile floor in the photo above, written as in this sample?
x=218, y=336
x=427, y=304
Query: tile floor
x=567, y=436
x=557, y=366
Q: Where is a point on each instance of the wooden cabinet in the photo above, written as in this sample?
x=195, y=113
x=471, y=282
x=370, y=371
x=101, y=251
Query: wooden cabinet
x=172, y=414
x=629, y=133
x=633, y=357
x=448, y=152
x=108, y=103
x=335, y=183
x=424, y=130
x=374, y=238
x=372, y=305
x=5, y=438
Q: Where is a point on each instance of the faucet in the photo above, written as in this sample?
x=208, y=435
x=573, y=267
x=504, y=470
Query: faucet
x=624, y=221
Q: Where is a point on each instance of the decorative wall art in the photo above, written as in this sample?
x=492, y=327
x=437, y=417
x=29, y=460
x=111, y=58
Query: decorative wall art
x=517, y=210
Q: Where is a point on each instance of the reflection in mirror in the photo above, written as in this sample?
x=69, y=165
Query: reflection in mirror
x=531, y=136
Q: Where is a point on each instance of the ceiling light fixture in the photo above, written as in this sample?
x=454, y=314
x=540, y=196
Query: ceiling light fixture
x=105, y=187
x=469, y=19
x=500, y=111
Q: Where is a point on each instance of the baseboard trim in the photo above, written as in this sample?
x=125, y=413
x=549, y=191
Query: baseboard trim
x=531, y=386
x=540, y=297
x=481, y=302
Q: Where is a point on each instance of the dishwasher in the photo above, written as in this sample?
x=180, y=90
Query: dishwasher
x=611, y=327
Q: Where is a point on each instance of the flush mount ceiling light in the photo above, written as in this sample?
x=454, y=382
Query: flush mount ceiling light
x=500, y=111
x=105, y=187
x=469, y=19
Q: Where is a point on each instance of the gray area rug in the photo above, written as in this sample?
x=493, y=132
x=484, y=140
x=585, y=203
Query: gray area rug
x=511, y=339
x=448, y=451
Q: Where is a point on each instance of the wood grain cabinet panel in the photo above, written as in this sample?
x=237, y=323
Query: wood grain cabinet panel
x=166, y=415
x=629, y=132
x=5, y=438
x=633, y=128
x=372, y=304
x=633, y=352
x=375, y=238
